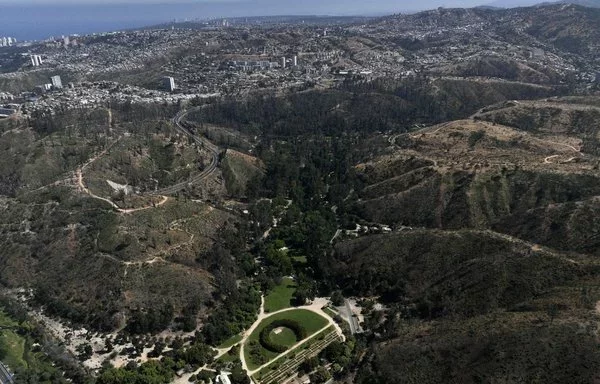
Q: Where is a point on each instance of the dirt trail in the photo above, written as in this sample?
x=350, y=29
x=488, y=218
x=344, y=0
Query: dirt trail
x=83, y=188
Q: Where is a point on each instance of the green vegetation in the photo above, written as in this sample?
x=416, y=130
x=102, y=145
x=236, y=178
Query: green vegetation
x=287, y=337
x=31, y=354
x=238, y=313
x=281, y=296
x=12, y=348
x=274, y=342
x=502, y=348
x=256, y=354
x=231, y=341
x=238, y=170
x=330, y=312
x=475, y=137
x=191, y=357
x=320, y=343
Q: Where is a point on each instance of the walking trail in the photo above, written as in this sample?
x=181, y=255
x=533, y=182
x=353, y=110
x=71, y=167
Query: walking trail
x=316, y=306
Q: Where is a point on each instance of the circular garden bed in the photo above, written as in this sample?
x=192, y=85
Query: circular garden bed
x=271, y=343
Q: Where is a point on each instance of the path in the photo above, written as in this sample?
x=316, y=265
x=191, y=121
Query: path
x=547, y=159
x=248, y=332
x=213, y=149
x=316, y=307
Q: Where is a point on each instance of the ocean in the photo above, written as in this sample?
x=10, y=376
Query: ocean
x=36, y=22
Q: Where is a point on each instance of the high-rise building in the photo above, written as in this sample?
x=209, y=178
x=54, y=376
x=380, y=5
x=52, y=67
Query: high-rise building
x=283, y=62
x=295, y=61
x=66, y=41
x=56, y=82
x=36, y=60
x=7, y=41
x=169, y=83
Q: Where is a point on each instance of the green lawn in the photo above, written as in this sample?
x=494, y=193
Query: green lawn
x=6, y=321
x=311, y=321
x=310, y=348
x=281, y=296
x=330, y=312
x=231, y=341
x=300, y=260
x=14, y=345
x=228, y=358
x=285, y=337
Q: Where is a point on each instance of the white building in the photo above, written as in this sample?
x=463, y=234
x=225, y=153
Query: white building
x=283, y=62
x=169, y=83
x=223, y=378
x=56, y=82
x=36, y=60
x=295, y=61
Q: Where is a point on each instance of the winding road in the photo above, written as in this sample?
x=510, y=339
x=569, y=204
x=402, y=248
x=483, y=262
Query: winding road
x=213, y=149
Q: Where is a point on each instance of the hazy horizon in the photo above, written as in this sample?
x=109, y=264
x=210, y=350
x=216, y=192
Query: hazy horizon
x=39, y=19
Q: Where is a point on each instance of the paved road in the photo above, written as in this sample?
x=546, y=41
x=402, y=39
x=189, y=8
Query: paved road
x=315, y=307
x=5, y=376
x=347, y=314
x=213, y=149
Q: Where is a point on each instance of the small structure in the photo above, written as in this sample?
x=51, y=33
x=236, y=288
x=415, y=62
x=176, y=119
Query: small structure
x=223, y=378
x=56, y=82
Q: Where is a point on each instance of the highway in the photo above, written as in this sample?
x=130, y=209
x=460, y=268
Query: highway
x=213, y=149
x=5, y=376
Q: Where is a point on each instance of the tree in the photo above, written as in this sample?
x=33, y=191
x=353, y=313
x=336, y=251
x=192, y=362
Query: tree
x=309, y=365
x=320, y=376
x=337, y=299
x=238, y=376
x=85, y=352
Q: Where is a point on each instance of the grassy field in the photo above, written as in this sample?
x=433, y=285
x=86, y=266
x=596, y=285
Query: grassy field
x=285, y=337
x=229, y=357
x=281, y=296
x=13, y=344
x=330, y=312
x=311, y=321
x=284, y=368
x=15, y=347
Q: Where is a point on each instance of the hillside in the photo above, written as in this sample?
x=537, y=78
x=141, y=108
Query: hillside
x=492, y=258
x=91, y=254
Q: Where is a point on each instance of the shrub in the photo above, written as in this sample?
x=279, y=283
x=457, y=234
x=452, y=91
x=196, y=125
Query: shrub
x=265, y=334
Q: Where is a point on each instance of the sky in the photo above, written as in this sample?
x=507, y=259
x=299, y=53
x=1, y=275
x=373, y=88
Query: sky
x=333, y=6
x=40, y=19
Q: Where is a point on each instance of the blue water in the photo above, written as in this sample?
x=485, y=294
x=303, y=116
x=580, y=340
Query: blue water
x=28, y=22
x=41, y=22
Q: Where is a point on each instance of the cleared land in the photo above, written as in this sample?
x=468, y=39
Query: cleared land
x=281, y=296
